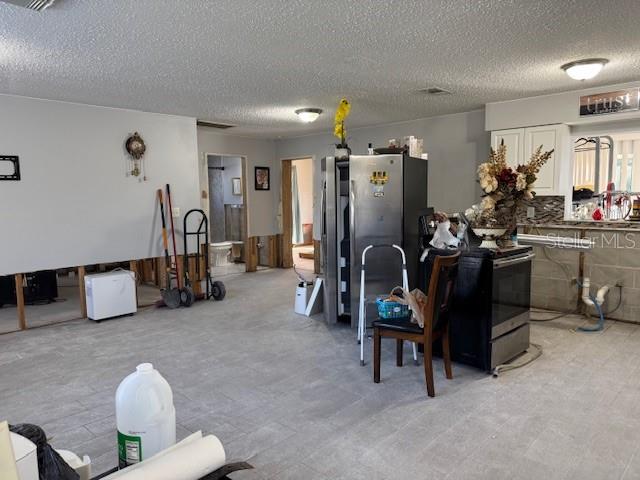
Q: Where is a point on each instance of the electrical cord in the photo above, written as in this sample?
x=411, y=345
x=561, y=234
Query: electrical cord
x=563, y=314
x=619, y=301
x=505, y=367
x=301, y=277
x=134, y=275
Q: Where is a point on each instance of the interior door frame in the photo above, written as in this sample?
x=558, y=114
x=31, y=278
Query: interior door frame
x=286, y=198
x=247, y=243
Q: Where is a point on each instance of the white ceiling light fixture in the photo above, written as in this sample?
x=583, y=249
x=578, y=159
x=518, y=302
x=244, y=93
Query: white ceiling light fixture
x=584, y=69
x=308, y=115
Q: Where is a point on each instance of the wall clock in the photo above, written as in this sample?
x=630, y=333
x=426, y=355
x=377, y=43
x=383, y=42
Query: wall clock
x=135, y=147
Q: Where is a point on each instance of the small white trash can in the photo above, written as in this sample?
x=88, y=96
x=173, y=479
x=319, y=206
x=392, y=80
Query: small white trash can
x=303, y=293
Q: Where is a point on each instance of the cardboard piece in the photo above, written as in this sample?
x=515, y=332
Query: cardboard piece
x=315, y=302
x=8, y=468
x=25, y=453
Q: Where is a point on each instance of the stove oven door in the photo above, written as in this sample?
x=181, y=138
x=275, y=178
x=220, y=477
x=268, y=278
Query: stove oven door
x=511, y=293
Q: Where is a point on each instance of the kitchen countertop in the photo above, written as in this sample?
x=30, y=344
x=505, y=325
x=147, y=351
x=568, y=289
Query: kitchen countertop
x=624, y=226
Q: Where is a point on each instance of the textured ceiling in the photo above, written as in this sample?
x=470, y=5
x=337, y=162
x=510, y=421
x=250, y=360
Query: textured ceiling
x=251, y=62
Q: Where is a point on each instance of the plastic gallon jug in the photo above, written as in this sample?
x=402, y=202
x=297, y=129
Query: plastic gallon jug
x=145, y=415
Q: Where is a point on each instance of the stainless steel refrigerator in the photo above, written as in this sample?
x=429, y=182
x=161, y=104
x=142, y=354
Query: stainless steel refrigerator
x=369, y=200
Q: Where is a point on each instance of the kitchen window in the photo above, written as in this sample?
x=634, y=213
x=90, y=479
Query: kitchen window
x=602, y=160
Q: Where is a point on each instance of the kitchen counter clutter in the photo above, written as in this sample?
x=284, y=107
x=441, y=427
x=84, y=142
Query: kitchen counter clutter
x=614, y=260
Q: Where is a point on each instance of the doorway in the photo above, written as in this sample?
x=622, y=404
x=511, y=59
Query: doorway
x=297, y=201
x=227, y=213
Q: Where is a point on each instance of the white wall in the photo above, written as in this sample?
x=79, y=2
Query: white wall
x=262, y=206
x=75, y=205
x=456, y=145
x=551, y=109
x=304, y=172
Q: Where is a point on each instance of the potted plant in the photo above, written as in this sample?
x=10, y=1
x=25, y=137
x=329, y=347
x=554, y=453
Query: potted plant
x=504, y=191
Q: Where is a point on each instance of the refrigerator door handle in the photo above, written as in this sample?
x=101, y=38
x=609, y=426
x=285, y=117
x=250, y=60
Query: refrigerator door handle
x=352, y=213
x=323, y=228
x=323, y=208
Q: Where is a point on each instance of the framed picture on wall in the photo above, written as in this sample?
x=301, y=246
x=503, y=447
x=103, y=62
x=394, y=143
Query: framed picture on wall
x=263, y=180
x=236, y=186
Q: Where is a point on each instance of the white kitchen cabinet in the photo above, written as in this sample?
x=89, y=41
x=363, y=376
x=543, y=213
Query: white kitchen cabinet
x=514, y=141
x=522, y=143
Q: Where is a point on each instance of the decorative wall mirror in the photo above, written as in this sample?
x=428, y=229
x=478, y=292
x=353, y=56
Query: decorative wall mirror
x=236, y=186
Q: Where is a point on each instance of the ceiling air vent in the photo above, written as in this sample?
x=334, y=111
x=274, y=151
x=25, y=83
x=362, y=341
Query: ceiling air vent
x=37, y=5
x=435, y=91
x=221, y=126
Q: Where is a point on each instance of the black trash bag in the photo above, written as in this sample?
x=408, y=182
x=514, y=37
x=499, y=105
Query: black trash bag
x=51, y=465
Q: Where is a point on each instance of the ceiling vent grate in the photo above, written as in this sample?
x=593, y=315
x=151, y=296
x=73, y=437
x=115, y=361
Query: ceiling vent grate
x=220, y=126
x=434, y=91
x=37, y=5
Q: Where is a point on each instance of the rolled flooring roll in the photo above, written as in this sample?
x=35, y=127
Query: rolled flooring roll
x=192, y=458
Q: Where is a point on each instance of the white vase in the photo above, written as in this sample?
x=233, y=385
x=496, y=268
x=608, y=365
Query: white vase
x=489, y=236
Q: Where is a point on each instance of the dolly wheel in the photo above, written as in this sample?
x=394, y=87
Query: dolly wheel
x=218, y=291
x=187, y=296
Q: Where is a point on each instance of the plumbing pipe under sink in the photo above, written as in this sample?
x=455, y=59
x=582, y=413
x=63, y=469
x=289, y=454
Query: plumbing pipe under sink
x=593, y=301
x=586, y=295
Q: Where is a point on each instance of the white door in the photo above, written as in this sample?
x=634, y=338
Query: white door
x=514, y=141
x=548, y=136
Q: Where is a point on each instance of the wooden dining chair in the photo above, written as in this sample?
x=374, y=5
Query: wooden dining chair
x=436, y=322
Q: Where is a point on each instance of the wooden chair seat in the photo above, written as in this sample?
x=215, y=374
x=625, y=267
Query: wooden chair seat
x=398, y=324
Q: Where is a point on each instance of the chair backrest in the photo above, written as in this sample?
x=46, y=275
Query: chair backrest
x=440, y=292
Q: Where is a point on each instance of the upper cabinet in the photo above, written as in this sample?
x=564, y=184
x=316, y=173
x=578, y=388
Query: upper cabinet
x=513, y=139
x=521, y=143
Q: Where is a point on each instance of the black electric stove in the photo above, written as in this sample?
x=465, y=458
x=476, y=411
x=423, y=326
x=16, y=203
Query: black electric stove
x=489, y=322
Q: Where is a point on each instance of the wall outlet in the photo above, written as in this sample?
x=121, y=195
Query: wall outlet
x=175, y=212
x=531, y=212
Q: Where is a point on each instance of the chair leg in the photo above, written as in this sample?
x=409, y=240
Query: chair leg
x=446, y=353
x=399, y=344
x=376, y=354
x=428, y=368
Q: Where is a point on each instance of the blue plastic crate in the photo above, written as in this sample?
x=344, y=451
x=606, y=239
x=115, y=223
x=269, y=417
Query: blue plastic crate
x=392, y=309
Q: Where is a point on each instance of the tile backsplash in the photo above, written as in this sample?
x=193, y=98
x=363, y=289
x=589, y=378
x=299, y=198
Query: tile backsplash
x=548, y=209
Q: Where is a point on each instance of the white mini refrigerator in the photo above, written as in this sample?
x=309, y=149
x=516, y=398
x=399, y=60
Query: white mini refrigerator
x=110, y=294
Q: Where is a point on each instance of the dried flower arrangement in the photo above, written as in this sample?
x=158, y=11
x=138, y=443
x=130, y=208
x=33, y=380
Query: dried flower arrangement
x=504, y=189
